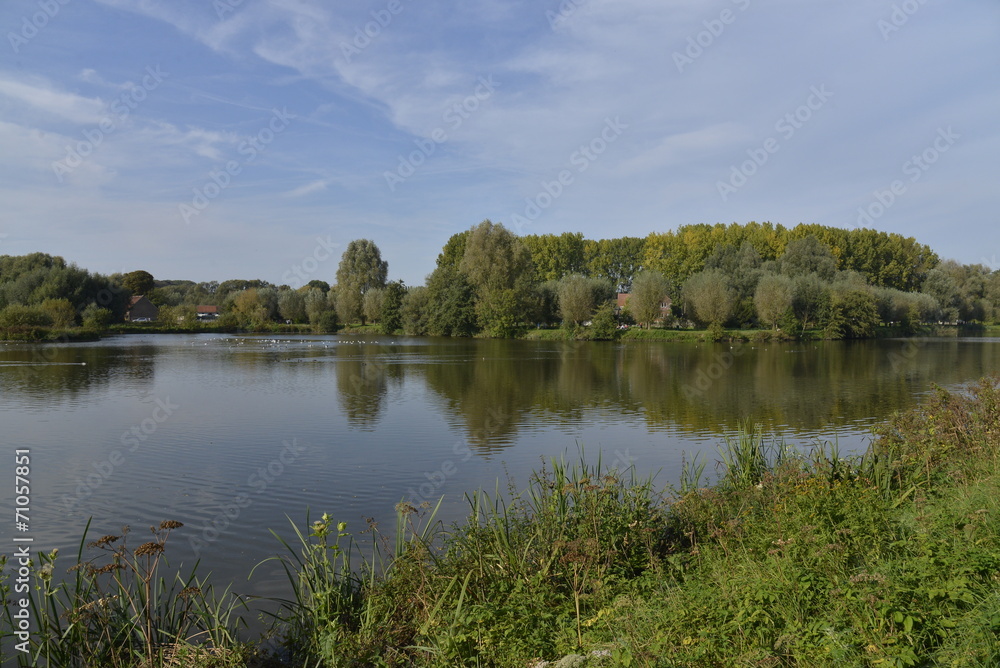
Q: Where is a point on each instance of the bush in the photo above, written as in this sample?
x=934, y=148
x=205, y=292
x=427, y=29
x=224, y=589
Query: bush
x=604, y=327
x=24, y=316
x=327, y=323
x=95, y=317
x=61, y=312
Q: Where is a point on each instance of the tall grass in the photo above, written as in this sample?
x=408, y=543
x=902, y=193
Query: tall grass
x=118, y=609
x=520, y=578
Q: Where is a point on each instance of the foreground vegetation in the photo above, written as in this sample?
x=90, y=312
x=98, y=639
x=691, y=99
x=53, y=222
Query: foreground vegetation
x=890, y=558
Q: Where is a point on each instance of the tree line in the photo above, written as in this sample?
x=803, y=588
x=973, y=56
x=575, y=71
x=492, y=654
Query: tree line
x=487, y=281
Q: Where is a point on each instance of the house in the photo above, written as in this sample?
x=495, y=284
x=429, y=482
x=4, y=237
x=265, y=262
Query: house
x=207, y=312
x=140, y=309
x=623, y=299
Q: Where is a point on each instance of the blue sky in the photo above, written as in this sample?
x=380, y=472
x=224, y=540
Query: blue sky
x=215, y=139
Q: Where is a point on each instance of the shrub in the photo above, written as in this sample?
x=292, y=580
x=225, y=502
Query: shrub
x=24, y=316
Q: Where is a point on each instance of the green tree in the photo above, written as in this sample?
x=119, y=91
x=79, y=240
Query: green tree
x=742, y=265
x=315, y=303
x=316, y=283
x=391, y=317
x=96, y=317
x=450, y=303
x=810, y=298
x=808, y=256
x=649, y=290
x=60, y=311
x=138, y=282
x=292, y=305
x=17, y=315
x=350, y=305
x=555, y=256
x=249, y=308
x=371, y=304
x=853, y=314
x=888, y=259
x=361, y=269
x=617, y=260
x=604, y=327
x=773, y=298
x=577, y=298
x=498, y=266
x=326, y=322
x=415, y=310
x=709, y=297
x=545, y=303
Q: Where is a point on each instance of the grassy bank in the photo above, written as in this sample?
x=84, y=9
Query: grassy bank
x=47, y=335
x=786, y=559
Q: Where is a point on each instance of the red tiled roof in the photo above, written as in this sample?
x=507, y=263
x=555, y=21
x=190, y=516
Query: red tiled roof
x=207, y=309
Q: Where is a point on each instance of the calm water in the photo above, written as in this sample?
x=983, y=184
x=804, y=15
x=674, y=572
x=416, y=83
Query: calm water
x=242, y=431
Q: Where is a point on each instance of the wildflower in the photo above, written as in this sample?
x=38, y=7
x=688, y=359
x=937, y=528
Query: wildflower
x=148, y=549
x=170, y=524
x=404, y=508
x=105, y=540
x=107, y=568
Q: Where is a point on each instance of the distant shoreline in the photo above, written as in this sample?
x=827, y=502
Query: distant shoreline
x=79, y=335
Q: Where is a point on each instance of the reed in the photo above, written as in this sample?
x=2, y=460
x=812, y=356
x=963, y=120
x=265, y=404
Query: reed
x=117, y=608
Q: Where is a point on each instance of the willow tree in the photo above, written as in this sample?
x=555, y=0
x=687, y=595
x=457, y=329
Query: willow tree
x=361, y=269
x=499, y=268
x=710, y=297
x=773, y=298
x=649, y=289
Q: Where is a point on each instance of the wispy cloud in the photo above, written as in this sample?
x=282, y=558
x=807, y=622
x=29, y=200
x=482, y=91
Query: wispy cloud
x=306, y=189
x=42, y=96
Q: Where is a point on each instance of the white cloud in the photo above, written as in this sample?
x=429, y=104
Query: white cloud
x=43, y=97
x=308, y=188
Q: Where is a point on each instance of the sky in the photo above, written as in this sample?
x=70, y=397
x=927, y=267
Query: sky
x=218, y=139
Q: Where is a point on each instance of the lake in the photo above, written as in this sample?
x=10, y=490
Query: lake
x=230, y=434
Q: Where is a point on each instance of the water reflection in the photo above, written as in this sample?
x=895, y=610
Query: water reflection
x=52, y=372
x=696, y=388
x=494, y=390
